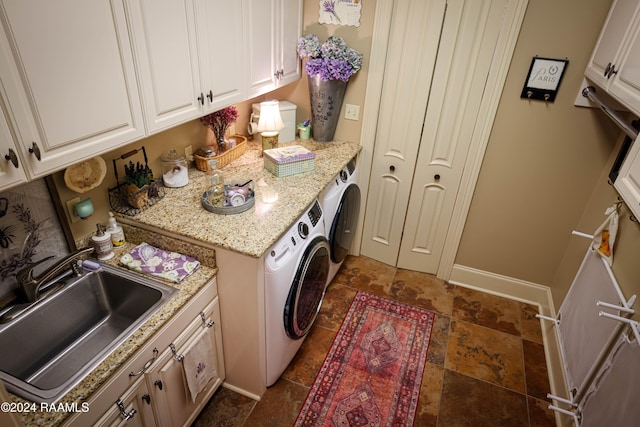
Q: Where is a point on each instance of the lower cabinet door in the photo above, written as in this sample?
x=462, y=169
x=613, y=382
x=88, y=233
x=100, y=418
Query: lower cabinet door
x=168, y=384
x=132, y=409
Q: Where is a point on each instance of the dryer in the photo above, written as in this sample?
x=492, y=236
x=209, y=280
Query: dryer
x=296, y=269
x=340, y=201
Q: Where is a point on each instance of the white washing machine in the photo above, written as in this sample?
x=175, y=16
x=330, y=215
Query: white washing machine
x=296, y=268
x=340, y=201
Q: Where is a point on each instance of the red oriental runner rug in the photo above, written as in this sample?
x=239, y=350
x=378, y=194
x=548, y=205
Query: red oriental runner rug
x=373, y=371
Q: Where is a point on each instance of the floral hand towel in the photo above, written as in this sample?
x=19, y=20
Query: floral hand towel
x=167, y=265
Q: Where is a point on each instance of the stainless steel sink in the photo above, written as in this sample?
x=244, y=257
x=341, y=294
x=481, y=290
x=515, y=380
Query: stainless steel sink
x=54, y=344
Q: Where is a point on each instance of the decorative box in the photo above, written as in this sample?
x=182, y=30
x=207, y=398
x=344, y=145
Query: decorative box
x=285, y=161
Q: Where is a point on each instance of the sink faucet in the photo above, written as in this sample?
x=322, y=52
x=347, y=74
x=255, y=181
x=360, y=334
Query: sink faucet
x=31, y=285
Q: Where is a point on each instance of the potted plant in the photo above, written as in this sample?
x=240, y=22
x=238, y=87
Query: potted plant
x=137, y=179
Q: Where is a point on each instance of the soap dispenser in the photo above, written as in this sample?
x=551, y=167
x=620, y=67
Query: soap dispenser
x=117, y=233
x=102, y=243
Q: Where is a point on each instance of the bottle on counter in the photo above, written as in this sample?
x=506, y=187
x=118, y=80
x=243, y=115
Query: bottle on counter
x=102, y=243
x=116, y=231
x=215, y=193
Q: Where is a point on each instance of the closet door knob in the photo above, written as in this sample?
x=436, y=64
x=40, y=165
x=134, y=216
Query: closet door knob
x=392, y=168
x=35, y=150
x=12, y=156
x=436, y=177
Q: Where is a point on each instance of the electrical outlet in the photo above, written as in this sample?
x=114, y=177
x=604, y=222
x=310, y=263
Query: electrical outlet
x=352, y=112
x=188, y=153
x=71, y=210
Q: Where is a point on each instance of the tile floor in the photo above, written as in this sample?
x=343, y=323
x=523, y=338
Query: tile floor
x=485, y=365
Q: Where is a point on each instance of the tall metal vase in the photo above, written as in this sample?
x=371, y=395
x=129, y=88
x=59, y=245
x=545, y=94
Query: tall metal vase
x=326, y=102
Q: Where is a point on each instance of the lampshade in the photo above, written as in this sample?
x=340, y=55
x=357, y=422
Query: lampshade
x=270, y=119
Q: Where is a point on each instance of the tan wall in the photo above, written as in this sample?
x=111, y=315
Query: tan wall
x=543, y=161
x=193, y=133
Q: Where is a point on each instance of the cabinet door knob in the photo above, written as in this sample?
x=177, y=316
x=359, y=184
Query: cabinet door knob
x=12, y=156
x=210, y=96
x=607, y=69
x=436, y=177
x=158, y=384
x=35, y=150
x=146, y=398
x=392, y=168
x=201, y=98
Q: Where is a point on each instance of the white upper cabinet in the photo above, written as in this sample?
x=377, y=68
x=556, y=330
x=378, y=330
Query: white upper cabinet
x=189, y=57
x=69, y=80
x=615, y=61
x=273, y=28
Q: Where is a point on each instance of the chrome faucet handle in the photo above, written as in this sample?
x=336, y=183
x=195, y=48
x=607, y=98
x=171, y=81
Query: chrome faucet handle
x=26, y=281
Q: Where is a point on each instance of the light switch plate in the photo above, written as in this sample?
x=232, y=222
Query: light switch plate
x=71, y=211
x=352, y=112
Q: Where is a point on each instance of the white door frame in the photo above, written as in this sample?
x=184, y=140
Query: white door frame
x=495, y=83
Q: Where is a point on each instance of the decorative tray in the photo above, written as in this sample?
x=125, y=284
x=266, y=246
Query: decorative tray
x=238, y=198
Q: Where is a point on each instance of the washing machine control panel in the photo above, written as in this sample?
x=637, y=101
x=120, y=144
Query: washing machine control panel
x=315, y=213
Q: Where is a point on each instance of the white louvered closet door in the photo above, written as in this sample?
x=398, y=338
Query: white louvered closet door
x=427, y=119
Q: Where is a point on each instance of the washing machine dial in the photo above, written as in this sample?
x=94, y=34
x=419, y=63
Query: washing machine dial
x=344, y=175
x=303, y=230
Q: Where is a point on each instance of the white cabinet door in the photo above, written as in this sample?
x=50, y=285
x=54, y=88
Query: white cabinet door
x=615, y=61
x=260, y=45
x=288, y=63
x=273, y=28
x=189, y=57
x=163, y=34
x=132, y=409
x=628, y=181
x=626, y=84
x=69, y=78
x=12, y=170
x=220, y=48
x=172, y=399
x=610, y=44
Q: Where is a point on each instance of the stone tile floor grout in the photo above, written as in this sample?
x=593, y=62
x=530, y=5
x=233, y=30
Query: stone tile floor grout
x=476, y=370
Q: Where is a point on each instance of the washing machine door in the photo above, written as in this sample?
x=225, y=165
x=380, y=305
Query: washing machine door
x=307, y=289
x=343, y=228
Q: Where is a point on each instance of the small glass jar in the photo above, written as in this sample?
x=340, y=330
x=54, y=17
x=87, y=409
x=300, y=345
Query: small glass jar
x=175, y=169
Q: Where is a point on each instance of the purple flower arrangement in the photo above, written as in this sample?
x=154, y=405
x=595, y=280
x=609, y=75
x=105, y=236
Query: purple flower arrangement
x=331, y=60
x=219, y=121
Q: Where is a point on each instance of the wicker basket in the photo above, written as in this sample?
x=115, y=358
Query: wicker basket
x=202, y=163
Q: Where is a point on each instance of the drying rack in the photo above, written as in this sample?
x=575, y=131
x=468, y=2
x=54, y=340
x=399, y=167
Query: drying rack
x=118, y=195
x=589, y=346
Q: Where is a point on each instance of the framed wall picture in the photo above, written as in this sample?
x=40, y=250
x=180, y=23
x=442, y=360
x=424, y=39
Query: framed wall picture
x=543, y=80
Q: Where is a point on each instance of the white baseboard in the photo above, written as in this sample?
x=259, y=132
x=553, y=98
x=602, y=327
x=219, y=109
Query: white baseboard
x=508, y=287
x=528, y=292
x=241, y=391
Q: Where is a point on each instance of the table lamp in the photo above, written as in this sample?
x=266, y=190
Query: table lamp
x=270, y=124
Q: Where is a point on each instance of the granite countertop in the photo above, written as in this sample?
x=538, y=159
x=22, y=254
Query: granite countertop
x=252, y=232
x=90, y=384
